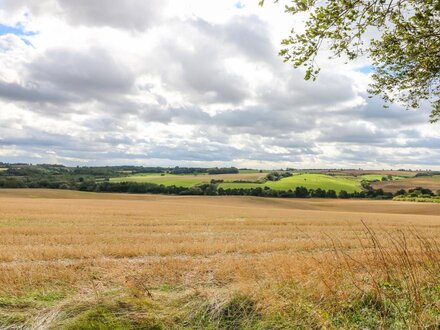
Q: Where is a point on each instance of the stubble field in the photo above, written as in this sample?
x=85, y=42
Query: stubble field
x=83, y=261
x=432, y=183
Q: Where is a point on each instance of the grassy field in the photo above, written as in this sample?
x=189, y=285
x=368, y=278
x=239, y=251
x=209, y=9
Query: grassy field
x=167, y=180
x=309, y=181
x=188, y=180
x=432, y=183
x=73, y=260
x=349, y=183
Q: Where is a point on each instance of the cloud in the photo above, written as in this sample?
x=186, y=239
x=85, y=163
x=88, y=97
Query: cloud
x=32, y=93
x=134, y=15
x=88, y=73
x=167, y=83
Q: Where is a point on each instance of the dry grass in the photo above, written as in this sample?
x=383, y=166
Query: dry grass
x=185, y=250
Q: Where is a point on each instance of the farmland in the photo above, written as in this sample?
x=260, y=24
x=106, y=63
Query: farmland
x=187, y=180
x=78, y=260
x=309, y=181
x=429, y=182
x=349, y=183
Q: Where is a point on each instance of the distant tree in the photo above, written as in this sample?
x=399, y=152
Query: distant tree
x=343, y=194
x=331, y=194
x=400, y=192
x=405, y=54
x=223, y=170
x=319, y=193
x=420, y=191
x=301, y=192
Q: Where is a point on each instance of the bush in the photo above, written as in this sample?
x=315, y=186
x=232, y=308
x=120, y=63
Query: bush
x=343, y=194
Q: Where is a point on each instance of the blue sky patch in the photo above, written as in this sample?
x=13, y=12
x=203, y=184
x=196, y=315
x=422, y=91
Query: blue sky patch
x=366, y=69
x=239, y=5
x=17, y=30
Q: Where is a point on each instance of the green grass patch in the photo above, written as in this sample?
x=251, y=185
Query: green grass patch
x=31, y=299
x=185, y=180
x=98, y=317
x=166, y=180
x=349, y=183
x=309, y=181
x=315, y=181
x=281, y=305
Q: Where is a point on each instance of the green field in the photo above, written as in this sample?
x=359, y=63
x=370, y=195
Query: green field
x=349, y=183
x=167, y=179
x=309, y=181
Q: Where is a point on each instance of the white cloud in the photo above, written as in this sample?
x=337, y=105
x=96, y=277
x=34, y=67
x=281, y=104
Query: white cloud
x=187, y=83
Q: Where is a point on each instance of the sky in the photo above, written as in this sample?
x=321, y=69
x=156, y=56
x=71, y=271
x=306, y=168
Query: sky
x=188, y=83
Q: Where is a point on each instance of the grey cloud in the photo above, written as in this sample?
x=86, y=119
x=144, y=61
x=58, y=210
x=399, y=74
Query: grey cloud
x=34, y=93
x=263, y=121
x=197, y=64
x=248, y=34
x=135, y=15
x=296, y=95
x=251, y=120
x=127, y=14
x=354, y=132
x=430, y=143
x=90, y=73
x=183, y=115
x=62, y=76
x=392, y=117
x=212, y=151
x=200, y=73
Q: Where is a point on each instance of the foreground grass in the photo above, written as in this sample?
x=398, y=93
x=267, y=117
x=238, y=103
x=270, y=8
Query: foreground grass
x=392, y=288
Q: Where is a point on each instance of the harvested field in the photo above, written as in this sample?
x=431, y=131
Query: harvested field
x=170, y=261
x=366, y=172
x=427, y=182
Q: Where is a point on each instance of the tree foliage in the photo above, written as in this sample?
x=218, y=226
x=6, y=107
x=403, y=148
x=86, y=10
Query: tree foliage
x=401, y=38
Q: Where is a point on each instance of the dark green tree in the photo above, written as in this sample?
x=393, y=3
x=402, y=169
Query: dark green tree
x=404, y=49
x=343, y=194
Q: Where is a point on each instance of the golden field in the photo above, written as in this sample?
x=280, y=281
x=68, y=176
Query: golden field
x=84, y=260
